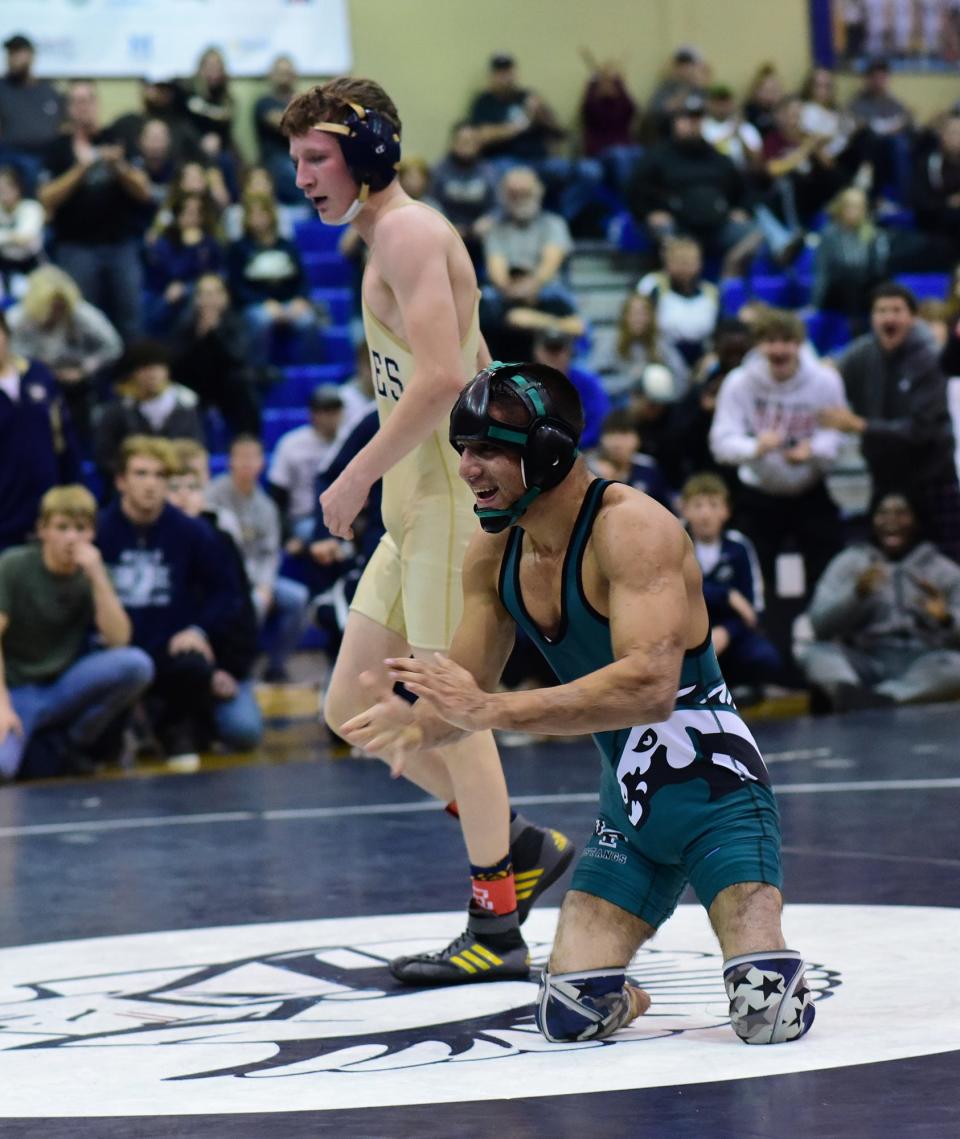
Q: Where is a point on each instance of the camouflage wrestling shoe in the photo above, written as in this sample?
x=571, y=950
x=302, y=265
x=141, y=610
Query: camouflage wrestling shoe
x=470, y=957
x=540, y=855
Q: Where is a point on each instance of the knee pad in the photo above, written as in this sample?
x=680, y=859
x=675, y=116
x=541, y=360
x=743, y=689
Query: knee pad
x=582, y=1006
x=769, y=999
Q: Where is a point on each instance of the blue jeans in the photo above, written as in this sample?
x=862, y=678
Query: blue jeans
x=110, y=276
x=237, y=722
x=285, y=622
x=264, y=331
x=84, y=700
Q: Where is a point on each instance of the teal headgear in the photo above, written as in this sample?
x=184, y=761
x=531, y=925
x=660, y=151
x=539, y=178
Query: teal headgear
x=547, y=444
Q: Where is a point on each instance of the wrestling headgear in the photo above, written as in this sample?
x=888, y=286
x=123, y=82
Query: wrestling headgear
x=547, y=444
x=371, y=149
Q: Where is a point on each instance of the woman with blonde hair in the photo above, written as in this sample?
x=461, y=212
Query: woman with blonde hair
x=54, y=324
x=639, y=343
x=852, y=257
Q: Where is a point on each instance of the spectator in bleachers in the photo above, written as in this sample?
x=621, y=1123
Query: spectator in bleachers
x=851, y=259
x=764, y=93
x=691, y=417
x=147, y=404
x=555, y=349
x=517, y=126
x=357, y=393
x=638, y=342
x=21, y=234
x=210, y=356
x=94, y=197
x=936, y=193
x=54, y=324
x=36, y=444
x=267, y=280
x=52, y=593
x=159, y=102
x=236, y=719
x=732, y=583
x=280, y=603
x=210, y=108
x=950, y=355
x=619, y=456
x=886, y=617
x=257, y=180
x=766, y=425
x=686, y=305
x=609, y=118
x=936, y=316
x=686, y=78
x=898, y=406
x=524, y=251
x=727, y=131
x=298, y=458
x=273, y=145
x=186, y=251
x=413, y=174
x=849, y=144
x=464, y=189
x=153, y=152
x=890, y=122
x=683, y=185
x=168, y=574
x=650, y=405
x=31, y=111
x=802, y=176
x=192, y=177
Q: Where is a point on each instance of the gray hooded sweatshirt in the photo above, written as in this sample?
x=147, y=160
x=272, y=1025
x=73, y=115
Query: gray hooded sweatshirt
x=751, y=401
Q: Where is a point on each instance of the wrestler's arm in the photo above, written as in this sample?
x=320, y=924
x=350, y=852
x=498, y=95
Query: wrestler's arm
x=640, y=550
x=412, y=260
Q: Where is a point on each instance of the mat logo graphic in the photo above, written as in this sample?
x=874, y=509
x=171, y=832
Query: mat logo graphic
x=333, y=1008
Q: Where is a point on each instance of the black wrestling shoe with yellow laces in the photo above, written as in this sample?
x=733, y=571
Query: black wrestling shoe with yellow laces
x=490, y=949
x=539, y=855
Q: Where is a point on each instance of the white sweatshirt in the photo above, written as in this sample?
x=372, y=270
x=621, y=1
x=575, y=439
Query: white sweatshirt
x=751, y=401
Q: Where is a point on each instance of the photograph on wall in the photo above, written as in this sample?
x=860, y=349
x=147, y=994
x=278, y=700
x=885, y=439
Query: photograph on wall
x=911, y=35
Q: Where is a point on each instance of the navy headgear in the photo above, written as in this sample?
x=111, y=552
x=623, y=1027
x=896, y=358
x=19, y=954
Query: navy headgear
x=370, y=145
x=547, y=444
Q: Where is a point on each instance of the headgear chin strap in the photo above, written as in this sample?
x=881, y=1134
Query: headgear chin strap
x=371, y=150
x=547, y=445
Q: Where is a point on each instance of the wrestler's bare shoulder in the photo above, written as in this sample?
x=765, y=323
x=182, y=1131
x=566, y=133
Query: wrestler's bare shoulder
x=628, y=515
x=412, y=226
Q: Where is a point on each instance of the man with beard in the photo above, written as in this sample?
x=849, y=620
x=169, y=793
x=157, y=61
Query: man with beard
x=886, y=615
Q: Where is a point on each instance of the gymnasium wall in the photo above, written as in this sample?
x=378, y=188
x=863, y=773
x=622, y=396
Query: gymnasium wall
x=431, y=55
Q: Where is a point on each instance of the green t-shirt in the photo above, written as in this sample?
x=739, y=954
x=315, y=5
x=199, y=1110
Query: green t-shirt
x=48, y=617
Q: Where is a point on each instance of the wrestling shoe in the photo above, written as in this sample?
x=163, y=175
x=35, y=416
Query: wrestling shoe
x=490, y=949
x=540, y=855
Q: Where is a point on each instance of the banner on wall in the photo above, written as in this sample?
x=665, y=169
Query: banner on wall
x=160, y=39
x=910, y=35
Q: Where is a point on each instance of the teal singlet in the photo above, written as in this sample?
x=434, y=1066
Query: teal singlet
x=704, y=738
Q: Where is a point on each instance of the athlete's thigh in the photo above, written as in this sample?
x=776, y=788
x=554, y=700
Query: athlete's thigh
x=593, y=933
x=431, y=561
x=365, y=646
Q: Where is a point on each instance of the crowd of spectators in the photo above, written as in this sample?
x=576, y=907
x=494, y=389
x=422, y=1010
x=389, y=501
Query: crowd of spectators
x=178, y=337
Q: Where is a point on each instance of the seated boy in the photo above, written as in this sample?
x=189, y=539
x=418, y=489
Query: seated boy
x=732, y=584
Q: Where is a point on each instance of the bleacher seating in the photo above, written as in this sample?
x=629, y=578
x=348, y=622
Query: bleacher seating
x=326, y=269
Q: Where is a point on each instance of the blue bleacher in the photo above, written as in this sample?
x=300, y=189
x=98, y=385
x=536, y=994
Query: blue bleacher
x=829, y=331
x=733, y=295
x=339, y=303
x=326, y=269
x=926, y=286
x=278, y=421
x=312, y=236
x=299, y=380
x=624, y=233
x=337, y=347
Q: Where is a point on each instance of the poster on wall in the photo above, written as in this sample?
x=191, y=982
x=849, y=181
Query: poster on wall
x=911, y=35
x=160, y=39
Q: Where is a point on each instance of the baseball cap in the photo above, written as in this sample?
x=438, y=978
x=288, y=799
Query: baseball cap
x=501, y=61
x=325, y=397
x=18, y=42
x=687, y=54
